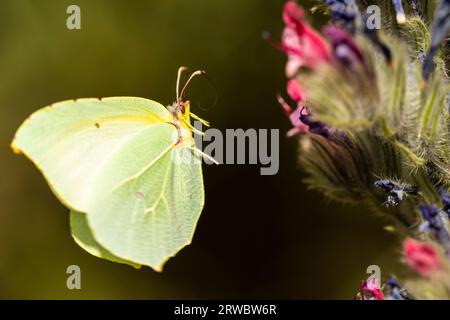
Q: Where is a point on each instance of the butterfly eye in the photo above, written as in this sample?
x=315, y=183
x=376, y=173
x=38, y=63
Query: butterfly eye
x=182, y=106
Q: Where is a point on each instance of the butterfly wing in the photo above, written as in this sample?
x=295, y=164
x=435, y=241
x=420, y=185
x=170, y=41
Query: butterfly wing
x=71, y=141
x=152, y=209
x=82, y=234
x=118, y=164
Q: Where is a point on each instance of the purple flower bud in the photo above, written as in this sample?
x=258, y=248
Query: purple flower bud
x=344, y=48
x=395, y=291
x=316, y=127
x=439, y=32
x=445, y=199
x=396, y=191
x=344, y=13
x=401, y=18
x=436, y=224
x=387, y=185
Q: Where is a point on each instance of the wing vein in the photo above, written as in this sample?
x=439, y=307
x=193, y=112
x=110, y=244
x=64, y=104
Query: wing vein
x=143, y=170
x=161, y=194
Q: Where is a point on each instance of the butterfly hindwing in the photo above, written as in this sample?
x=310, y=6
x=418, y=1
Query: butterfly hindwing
x=82, y=234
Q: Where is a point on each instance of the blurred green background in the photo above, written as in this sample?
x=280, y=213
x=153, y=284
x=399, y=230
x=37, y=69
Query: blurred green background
x=258, y=237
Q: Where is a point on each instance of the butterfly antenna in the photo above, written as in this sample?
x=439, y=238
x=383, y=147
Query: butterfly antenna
x=180, y=72
x=193, y=75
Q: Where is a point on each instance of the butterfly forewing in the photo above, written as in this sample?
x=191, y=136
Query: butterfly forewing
x=71, y=141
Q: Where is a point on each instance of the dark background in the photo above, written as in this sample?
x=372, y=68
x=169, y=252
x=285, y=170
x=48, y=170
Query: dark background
x=258, y=237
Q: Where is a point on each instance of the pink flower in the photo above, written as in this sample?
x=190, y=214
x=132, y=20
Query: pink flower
x=303, y=45
x=421, y=257
x=373, y=288
x=295, y=90
x=294, y=117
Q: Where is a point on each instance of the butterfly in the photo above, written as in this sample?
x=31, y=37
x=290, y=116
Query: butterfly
x=128, y=170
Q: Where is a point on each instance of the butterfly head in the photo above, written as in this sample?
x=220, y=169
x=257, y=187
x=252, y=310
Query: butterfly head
x=180, y=109
x=181, y=112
